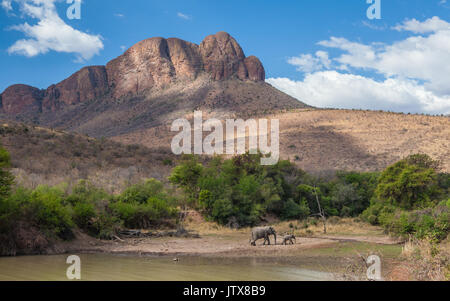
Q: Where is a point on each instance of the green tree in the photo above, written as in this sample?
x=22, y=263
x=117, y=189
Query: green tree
x=408, y=186
x=186, y=176
x=6, y=178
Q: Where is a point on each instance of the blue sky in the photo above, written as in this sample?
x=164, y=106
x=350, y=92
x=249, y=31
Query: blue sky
x=303, y=44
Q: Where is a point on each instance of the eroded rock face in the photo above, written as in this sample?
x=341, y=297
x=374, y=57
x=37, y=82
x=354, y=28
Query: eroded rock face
x=21, y=99
x=87, y=84
x=185, y=57
x=154, y=63
x=222, y=56
x=158, y=62
x=143, y=66
x=255, y=69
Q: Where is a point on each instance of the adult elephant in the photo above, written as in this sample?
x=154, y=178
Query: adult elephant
x=263, y=232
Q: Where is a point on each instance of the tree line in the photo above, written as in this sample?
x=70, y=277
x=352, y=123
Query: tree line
x=410, y=197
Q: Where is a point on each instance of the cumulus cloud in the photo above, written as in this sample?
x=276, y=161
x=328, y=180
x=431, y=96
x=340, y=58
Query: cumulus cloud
x=50, y=33
x=332, y=89
x=430, y=25
x=415, y=72
x=309, y=63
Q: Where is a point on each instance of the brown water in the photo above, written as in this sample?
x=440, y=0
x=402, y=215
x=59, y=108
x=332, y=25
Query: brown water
x=95, y=267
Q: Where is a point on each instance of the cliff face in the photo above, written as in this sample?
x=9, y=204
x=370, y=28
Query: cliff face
x=87, y=84
x=155, y=63
x=158, y=62
x=21, y=99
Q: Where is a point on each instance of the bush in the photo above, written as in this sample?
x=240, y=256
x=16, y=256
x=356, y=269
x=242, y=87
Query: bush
x=47, y=209
x=141, y=192
x=409, y=186
x=431, y=223
x=143, y=215
x=292, y=210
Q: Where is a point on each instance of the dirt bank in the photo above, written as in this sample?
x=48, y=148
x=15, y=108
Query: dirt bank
x=220, y=241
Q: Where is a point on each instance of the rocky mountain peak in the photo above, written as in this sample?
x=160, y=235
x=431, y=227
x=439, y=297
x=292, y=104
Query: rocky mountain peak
x=21, y=99
x=158, y=62
x=154, y=63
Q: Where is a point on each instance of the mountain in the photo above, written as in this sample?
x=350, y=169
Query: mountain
x=153, y=81
x=135, y=98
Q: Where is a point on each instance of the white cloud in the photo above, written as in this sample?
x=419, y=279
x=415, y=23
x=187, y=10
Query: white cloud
x=332, y=89
x=308, y=63
x=7, y=5
x=119, y=15
x=415, y=72
x=184, y=16
x=51, y=33
x=431, y=25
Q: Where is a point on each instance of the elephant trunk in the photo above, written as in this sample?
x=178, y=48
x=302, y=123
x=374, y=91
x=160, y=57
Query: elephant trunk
x=275, y=236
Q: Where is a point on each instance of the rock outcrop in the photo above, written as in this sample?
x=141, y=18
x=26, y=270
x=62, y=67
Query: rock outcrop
x=21, y=99
x=158, y=62
x=87, y=84
x=155, y=63
x=255, y=69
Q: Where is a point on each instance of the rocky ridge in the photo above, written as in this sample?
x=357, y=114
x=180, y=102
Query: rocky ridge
x=154, y=63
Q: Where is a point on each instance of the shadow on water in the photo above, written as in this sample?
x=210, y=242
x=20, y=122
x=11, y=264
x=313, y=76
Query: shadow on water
x=133, y=268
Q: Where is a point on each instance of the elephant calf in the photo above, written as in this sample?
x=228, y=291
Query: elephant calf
x=289, y=238
x=262, y=232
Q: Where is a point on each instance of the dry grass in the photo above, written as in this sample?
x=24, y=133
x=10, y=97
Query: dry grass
x=330, y=140
x=335, y=227
x=427, y=261
x=45, y=156
x=195, y=222
x=346, y=228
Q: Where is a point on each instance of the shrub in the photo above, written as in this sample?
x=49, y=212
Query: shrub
x=47, y=209
x=83, y=214
x=408, y=186
x=222, y=210
x=141, y=192
x=143, y=215
x=292, y=210
x=6, y=179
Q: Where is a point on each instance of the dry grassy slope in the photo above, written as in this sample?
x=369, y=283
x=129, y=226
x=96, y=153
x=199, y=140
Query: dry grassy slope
x=109, y=117
x=324, y=140
x=44, y=156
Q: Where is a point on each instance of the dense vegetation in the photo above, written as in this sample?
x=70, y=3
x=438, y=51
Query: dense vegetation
x=241, y=192
x=411, y=197
x=56, y=212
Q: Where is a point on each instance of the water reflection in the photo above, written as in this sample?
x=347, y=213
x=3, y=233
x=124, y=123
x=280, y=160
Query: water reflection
x=133, y=268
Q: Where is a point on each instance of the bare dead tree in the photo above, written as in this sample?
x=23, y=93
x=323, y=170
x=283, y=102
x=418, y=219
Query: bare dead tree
x=321, y=213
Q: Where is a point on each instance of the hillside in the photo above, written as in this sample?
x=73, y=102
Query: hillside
x=134, y=99
x=45, y=156
x=154, y=81
x=327, y=140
